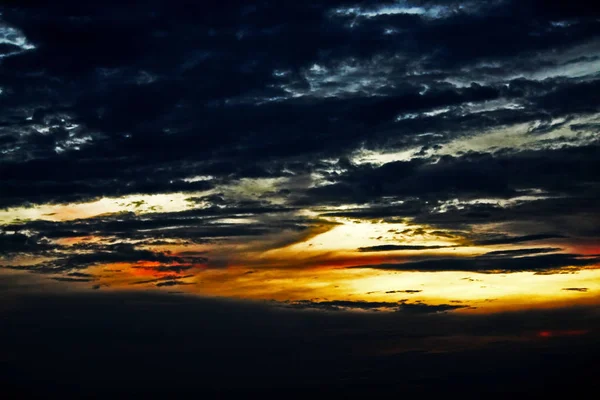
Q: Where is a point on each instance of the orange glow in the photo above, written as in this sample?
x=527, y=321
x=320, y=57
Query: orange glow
x=474, y=293
x=149, y=268
x=587, y=249
x=316, y=264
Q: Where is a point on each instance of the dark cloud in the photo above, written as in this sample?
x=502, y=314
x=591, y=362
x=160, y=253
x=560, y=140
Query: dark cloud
x=340, y=305
x=422, y=308
x=14, y=242
x=67, y=279
x=522, y=252
x=574, y=216
x=519, y=239
x=562, y=172
x=121, y=253
x=409, y=291
x=409, y=208
x=20, y=193
x=165, y=279
x=151, y=102
x=172, y=283
x=80, y=275
x=393, y=247
x=497, y=262
x=173, y=98
x=195, y=223
x=166, y=268
x=69, y=261
x=98, y=286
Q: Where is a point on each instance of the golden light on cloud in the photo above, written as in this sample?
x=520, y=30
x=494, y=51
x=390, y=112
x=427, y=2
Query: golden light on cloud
x=313, y=264
x=171, y=202
x=475, y=292
x=350, y=235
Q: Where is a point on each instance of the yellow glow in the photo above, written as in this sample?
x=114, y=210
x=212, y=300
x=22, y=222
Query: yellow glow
x=311, y=264
x=487, y=291
x=137, y=203
x=353, y=234
x=479, y=292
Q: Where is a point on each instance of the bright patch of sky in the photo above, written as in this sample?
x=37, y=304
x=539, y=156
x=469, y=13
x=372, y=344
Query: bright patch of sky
x=353, y=234
x=172, y=202
x=508, y=291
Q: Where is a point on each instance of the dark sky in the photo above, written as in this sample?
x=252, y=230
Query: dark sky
x=390, y=196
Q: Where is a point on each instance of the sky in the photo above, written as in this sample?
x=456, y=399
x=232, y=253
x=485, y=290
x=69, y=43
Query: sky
x=357, y=196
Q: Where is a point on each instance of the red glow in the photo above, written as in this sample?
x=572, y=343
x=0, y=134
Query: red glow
x=587, y=249
x=150, y=268
x=559, y=333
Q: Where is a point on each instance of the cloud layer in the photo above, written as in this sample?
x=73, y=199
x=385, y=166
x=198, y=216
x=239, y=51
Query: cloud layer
x=179, y=137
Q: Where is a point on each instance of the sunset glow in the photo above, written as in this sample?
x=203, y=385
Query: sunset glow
x=256, y=199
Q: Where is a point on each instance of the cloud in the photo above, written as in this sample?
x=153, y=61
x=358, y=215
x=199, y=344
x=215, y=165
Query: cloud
x=519, y=239
x=103, y=141
x=392, y=247
x=172, y=283
x=476, y=123
x=470, y=176
x=348, y=305
x=501, y=262
x=67, y=279
x=410, y=291
x=11, y=243
x=71, y=261
x=80, y=275
x=163, y=281
x=522, y=252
